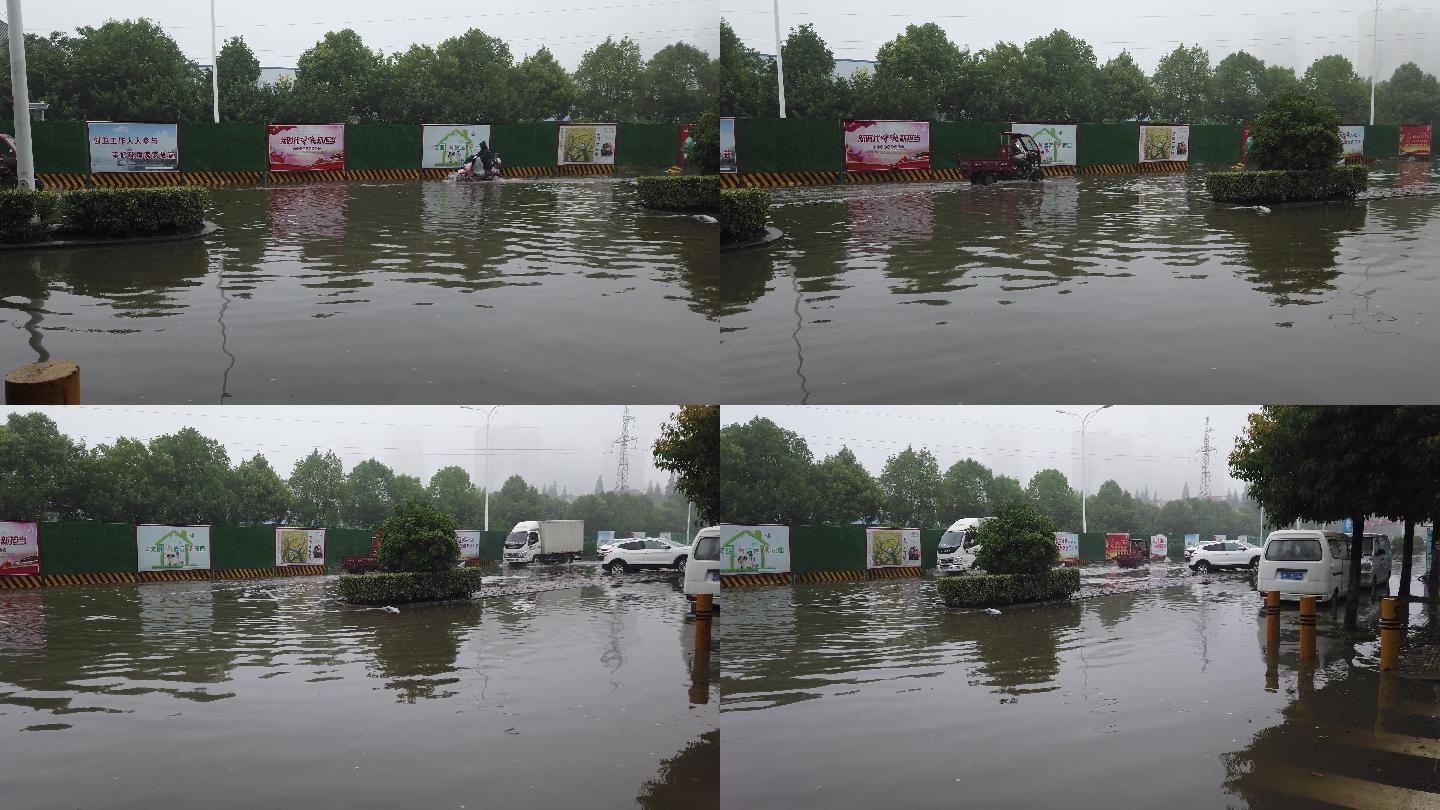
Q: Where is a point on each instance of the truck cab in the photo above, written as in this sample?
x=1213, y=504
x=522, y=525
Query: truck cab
x=956, y=552
x=544, y=541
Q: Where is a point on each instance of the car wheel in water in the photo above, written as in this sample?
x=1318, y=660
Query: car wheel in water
x=1037, y=175
x=617, y=567
x=1202, y=567
x=1254, y=562
x=679, y=563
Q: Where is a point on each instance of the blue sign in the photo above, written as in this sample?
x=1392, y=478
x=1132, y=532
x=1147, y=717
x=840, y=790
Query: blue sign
x=1349, y=526
x=133, y=147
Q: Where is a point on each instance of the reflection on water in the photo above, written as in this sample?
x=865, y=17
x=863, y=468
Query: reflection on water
x=849, y=696
x=1125, y=286
x=278, y=686
x=418, y=292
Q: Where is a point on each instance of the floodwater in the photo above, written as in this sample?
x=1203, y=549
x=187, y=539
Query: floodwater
x=546, y=291
x=271, y=693
x=1157, y=690
x=1106, y=288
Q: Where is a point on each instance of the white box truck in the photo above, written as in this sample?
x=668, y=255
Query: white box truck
x=545, y=541
x=956, y=552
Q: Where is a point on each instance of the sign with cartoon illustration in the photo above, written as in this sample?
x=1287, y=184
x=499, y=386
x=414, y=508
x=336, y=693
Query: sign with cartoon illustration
x=587, y=144
x=172, y=548
x=19, y=549
x=469, y=540
x=1164, y=143
x=299, y=546
x=446, y=146
x=892, y=548
x=754, y=549
x=601, y=538
x=1056, y=142
x=1069, y=545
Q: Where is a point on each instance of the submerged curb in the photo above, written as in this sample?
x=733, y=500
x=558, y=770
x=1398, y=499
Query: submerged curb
x=771, y=235
x=207, y=229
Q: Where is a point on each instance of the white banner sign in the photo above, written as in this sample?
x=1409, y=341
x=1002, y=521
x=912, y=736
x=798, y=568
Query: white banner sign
x=1159, y=545
x=1056, y=141
x=469, y=543
x=446, y=146
x=892, y=548
x=1164, y=143
x=299, y=546
x=586, y=144
x=754, y=549
x=1352, y=141
x=172, y=548
x=1192, y=540
x=19, y=549
x=122, y=148
x=1069, y=545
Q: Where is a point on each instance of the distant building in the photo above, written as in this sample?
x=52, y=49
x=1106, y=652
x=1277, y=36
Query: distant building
x=268, y=75
x=844, y=68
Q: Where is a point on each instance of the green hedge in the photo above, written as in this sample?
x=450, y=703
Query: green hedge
x=983, y=591
x=743, y=212
x=126, y=212
x=1270, y=186
x=392, y=589
x=19, y=210
x=680, y=192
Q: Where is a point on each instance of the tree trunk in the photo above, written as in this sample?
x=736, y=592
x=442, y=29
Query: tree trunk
x=1352, y=602
x=1409, y=550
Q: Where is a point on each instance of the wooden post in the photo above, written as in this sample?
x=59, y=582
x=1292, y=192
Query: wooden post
x=53, y=382
x=1307, y=628
x=1389, y=634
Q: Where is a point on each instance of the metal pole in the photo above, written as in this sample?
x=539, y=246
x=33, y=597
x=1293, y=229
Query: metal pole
x=20, y=88
x=1084, y=479
x=1374, y=65
x=687, y=522
x=214, y=65
x=779, y=63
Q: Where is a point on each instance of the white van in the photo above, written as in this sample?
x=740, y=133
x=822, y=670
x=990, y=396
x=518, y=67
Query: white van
x=1376, y=560
x=702, y=570
x=956, y=552
x=1305, y=562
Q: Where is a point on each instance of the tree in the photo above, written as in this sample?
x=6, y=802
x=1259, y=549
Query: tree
x=474, y=71
x=338, y=79
x=257, y=493
x=1017, y=540
x=702, y=152
x=117, y=484
x=1410, y=96
x=1295, y=132
x=189, y=478
x=317, y=489
x=239, y=82
x=994, y=91
x=747, y=80
x=416, y=92
x=965, y=490
x=1237, y=88
x=451, y=491
x=609, y=79
x=406, y=488
x=1060, y=79
x=764, y=474
x=1182, y=80
x=1332, y=81
x=418, y=538
x=131, y=70
x=544, y=91
x=917, y=74
x=689, y=447
x=517, y=500
x=1278, y=80
x=1002, y=490
x=844, y=490
x=910, y=489
x=1125, y=91
x=47, y=71
x=367, y=494
x=37, y=466
x=1051, y=495
x=674, y=82
x=1113, y=510
x=811, y=88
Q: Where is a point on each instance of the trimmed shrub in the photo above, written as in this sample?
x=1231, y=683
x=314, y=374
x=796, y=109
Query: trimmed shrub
x=391, y=589
x=680, y=192
x=743, y=213
x=1018, y=540
x=19, y=210
x=128, y=212
x=1330, y=183
x=703, y=149
x=1295, y=132
x=418, y=538
x=1007, y=589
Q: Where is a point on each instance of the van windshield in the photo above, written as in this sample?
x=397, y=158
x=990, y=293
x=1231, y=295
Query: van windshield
x=949, y=541
x=708, y=548
x=1301, y=549
x=515, y=540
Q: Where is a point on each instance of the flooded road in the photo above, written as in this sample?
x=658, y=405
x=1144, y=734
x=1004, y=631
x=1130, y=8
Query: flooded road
x=271, y=693
x=1104, y=288
x=524, y=291
x=865, y=695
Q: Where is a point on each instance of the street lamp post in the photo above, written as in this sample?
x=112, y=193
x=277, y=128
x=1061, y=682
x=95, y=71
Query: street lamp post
x=779, y=63
x=214, y=65
x=1374, y=55
x=20, y=89
x=488, y=414
x=1084, y=484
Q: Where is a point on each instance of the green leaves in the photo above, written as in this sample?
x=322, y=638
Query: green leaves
x=1017, y=540
x=680, y=193
x=983, y=591
x=396, y=589
x=688, y=446
x=743, y=213
x=1330, y=183
x=1295, y=132
x=418, y=538
x=127, y=212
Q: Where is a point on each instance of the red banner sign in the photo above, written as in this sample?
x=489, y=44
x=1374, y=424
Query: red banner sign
x=1415, y=140
x=884, y=146
x=1116, y=544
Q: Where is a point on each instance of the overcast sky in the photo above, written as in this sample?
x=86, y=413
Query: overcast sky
x=1154, y=447
x=279, y=31
x=1288, y=32
x=566, y=445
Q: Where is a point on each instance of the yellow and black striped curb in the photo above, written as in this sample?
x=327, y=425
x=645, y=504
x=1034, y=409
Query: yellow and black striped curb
x=297, y=178
x=135, y=179
x=65, y=181
x=947, y=174
x=1358, y=159
x=1058, y=171
x=788, y=179
x=67, y=580
x=245, y=573
x=753, y=580
x=895, y=573
x=527, y=171
x=1166, y=166
x=222, y=179
x=382, y=174
x=730, y=181
x=581, y=169
x=173, y=576
x=300, y=571
x=829, y=576
x=436, y=174
x=1107, y=168
x=898, y=176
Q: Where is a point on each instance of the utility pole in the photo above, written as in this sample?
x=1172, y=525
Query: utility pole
x=20, y=88
x=1374, y=56
x=1084, y=484
x=1205, y=450
x=488, y=415
x=622, y=468
x=779, y=63
x=214, y=65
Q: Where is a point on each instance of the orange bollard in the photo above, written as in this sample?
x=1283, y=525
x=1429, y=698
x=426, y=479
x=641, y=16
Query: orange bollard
x=700, y=670
x=53, y=382
x=1307, y=628
x=1272, y=617
x=1390, y=633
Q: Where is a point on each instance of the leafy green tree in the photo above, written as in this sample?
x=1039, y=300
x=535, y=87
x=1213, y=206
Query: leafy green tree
x=1112, y=509
x=996, y=91
x=917, y=74
x=406, y=488
x=544, y=90
x=338, y=79
x=1237, y=88
x=609, y=80
x=673, y=84
x=240, y=96
x=747, y=80
x=47, y=71
x=1276, y=81
x=1125, y=91
x=37, y=465
x=474, y=71
x=131, y=70
x=117, y=484
x=416, y=92
x=1410, y=96
x=1295, y=132
x=764, y=474
x=811, y=88
x=368, y=499
x=257, y=493
x=1182, y=82
x=1052, y=496
x=451, y=491
x=1061, y=79
x=515, y=501
x=689, y=447
x=1002, y=490
x=702, y=153
x=1332, y=81
x=910, y=489
x=317, y=489
x=418, y=538
x=965, y=490
x=1017, y=540
x=189, y=477
x=844, y=490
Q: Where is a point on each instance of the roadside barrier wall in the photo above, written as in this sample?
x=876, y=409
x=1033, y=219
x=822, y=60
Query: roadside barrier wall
x=951, y=139
x=815, y=549
x=380, y=146
x=341, y=543
x=236, y=547
x=1092, y=547
x=1382, y=140
x=1107, y=144
x=87, y=548
x=1221, y=143
x=223, y=147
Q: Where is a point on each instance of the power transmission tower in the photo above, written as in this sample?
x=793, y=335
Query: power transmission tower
x=1206, y=448
x=622, y=468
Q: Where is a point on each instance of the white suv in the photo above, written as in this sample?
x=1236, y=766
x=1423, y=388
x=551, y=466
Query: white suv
x=649, y=552
x=702, y=570
x=1217, y=554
